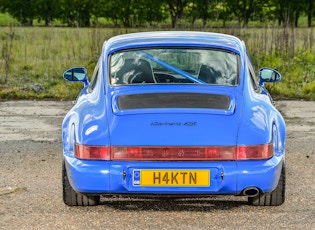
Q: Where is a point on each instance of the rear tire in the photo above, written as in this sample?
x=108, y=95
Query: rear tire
x=274, y=198
x=71, y=197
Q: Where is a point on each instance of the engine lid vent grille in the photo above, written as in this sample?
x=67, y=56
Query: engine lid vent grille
x=173, y=100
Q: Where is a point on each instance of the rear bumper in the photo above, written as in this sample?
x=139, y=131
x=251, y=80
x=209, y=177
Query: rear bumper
x=117, y=177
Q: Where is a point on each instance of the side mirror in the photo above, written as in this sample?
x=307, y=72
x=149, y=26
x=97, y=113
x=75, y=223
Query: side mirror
x=76, y=74
x=268, y=75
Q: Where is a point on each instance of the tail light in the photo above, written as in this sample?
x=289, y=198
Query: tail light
x=86, y=152
x=255, y=152
x=143, y=153
x=226, y=153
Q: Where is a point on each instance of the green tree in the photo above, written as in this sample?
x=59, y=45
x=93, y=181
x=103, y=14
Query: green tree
x=22, y=10
x=193, y=12
x=119, y=11
x=132, y=12
x=205, y=10
x=47, y=10
x=310, y=11
x=176, y=9
x=67, y=12
x=78, y=12
x=223, y=11
x=288, y=11
x=150, y=11
x=243, y=9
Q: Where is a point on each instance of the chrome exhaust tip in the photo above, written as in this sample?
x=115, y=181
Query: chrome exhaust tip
x=251, y=191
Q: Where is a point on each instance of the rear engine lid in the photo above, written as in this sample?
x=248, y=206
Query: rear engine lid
x=173, y=119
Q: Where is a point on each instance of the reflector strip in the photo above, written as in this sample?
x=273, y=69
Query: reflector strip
x=192, y=153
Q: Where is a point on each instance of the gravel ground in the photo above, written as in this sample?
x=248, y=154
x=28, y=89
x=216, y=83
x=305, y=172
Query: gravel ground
x=30, y=181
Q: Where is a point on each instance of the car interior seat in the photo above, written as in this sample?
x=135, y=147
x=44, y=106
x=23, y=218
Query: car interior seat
x=135, y=71
x=208, y=74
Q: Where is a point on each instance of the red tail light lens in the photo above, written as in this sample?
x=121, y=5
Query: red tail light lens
x=158, y=153
x=92, y=152
x=173, y=153
x=219, y=153
x=255, y=152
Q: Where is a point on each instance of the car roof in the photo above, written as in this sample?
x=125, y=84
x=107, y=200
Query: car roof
x=174, y=38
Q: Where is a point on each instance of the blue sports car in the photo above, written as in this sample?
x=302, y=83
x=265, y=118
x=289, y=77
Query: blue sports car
x=173, y=114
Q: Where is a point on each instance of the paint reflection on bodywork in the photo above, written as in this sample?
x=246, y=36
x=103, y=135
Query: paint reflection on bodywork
x=91, y=130
x=259, y=118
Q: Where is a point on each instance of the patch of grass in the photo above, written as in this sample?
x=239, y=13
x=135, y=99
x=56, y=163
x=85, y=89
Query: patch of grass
x=40, y=55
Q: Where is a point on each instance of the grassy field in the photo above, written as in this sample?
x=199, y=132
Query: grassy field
x=39, y=55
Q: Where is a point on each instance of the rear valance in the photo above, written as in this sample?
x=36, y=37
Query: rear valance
x=173, y=102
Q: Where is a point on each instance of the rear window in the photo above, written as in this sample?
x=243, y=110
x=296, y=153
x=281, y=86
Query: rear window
x=174, y=65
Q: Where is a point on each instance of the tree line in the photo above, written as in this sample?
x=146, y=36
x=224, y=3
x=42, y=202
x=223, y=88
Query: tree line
x=131, y=13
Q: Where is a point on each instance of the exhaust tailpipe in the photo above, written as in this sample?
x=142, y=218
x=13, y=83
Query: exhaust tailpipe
x=251, y=191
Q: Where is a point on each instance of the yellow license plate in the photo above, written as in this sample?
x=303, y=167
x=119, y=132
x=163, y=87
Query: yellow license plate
x=172, y=178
